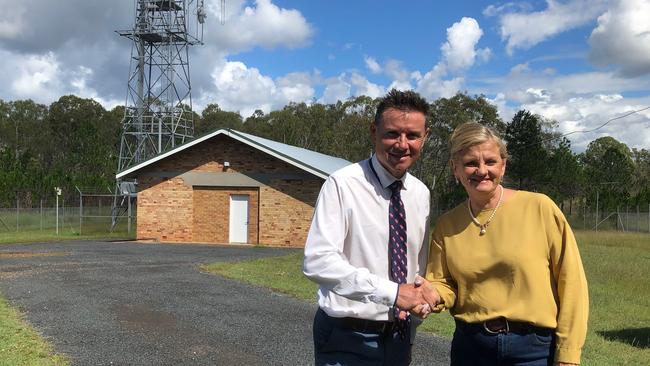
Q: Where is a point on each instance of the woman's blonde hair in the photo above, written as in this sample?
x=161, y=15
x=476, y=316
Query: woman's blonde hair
x=471, y=134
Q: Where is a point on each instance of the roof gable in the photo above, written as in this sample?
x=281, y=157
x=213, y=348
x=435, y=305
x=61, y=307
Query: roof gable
x=313, y=162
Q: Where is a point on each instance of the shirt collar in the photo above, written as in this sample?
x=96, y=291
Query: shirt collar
x=385, y=178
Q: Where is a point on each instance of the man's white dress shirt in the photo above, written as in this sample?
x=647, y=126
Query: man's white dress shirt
x=347, y=246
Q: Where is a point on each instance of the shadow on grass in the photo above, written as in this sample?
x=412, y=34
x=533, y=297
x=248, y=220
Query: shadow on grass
x=639, y=337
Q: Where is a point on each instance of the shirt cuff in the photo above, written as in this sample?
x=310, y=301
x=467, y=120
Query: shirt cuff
x=567, y=354
x=386, y=293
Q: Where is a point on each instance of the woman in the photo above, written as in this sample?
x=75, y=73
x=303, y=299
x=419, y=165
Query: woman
x=506, y=265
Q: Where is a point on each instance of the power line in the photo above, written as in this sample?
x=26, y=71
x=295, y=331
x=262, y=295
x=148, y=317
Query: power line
x=590, y=130
x=607, y=122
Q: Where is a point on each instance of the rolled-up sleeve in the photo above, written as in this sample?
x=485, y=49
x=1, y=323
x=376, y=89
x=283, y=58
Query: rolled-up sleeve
x=325, y=262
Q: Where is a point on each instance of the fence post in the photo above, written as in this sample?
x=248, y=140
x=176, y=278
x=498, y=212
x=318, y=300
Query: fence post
x=57, y=190
x=81, y=210
x=129, y=206
x=17, y=210
x=596, y=226
x=584, y=215
x=41, y=214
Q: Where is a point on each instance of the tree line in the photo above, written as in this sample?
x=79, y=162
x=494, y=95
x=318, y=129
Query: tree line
x=75, y=142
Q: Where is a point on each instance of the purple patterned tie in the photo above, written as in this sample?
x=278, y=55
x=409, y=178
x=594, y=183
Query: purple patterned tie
x=397, y=247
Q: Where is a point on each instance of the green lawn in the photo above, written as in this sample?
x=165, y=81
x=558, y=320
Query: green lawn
x=49, y=235
x=22, y=345
x=619, y=287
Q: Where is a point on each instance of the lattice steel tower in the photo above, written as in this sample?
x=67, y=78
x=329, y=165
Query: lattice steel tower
x=158, y=111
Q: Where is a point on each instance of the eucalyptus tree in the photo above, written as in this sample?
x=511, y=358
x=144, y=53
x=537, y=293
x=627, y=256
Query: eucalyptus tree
x=214, y=118
x=609, y=169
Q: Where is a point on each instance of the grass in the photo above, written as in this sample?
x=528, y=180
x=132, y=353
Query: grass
x=49, y=235
x=22, y=345
x=619, y=288
x=19, y=343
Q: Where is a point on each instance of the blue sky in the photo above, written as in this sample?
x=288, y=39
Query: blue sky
x=578, y=62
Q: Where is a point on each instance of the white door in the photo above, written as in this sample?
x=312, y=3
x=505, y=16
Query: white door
x=238, y=218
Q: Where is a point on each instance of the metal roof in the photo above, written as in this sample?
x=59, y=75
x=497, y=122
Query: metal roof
x=313, y=162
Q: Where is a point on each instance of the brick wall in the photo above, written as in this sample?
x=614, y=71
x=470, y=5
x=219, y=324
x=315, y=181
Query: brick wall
x=164, y=208
x=286, y=210
x=212, y=218
x=173, y=211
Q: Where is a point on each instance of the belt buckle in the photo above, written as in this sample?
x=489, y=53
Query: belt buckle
x=502, y=330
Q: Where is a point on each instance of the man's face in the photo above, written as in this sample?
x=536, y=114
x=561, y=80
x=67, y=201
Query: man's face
x=398, y=139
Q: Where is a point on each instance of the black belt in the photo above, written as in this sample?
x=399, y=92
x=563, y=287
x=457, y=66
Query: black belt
x=503, y=325
x=362, y=325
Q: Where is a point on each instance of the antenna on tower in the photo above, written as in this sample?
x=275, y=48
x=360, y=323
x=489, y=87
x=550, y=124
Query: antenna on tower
x=223, y=12
x=158, y=112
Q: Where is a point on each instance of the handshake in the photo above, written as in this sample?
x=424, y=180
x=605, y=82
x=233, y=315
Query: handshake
x=418, y=298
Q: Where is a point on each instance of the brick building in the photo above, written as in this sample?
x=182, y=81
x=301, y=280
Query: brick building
x=230, y=187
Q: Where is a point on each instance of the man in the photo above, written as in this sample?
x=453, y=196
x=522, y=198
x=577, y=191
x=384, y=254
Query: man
x=367, y=243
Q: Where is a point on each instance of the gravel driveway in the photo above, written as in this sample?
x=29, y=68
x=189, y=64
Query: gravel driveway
x=128, y=303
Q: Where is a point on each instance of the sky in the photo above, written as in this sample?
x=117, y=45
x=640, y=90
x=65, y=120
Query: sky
x=581, y=63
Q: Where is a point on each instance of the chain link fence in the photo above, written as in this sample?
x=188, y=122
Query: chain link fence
x=86, y=213
x=89, y=212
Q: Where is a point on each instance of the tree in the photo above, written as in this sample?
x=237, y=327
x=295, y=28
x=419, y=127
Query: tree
x=445, y=115
x=609, y=169
x=81, y=138
x=214, y=118
x=564, y=175
x=528, y=159
x=641, y=184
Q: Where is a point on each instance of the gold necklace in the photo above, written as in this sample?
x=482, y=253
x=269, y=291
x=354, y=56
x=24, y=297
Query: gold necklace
x=483, y=227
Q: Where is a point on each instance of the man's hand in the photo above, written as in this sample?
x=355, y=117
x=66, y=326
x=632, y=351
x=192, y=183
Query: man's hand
x=409, y=296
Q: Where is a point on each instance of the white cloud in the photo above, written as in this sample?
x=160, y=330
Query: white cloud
x=459, y=51
x=364, y=87
x=38, y=78
x=622, y=38
x=237, y=87
x=335, y=89
x=524, y=30
x=296, y=87
x=494, y=10
x=372, y=65
x=243, y=89
x=433, y=86
x=396, y=71
x=520, y=69
x=79, y=83
x=586, y=113
x=578, y=102
x=400, y=85
x=265, y=25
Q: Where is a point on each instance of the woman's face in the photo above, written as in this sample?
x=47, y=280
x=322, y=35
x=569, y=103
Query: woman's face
x=480, y=168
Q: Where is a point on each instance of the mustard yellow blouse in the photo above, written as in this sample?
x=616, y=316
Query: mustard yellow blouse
x=525, y=268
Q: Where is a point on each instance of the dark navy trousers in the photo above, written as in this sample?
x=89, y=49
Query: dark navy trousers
x=335, y=345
